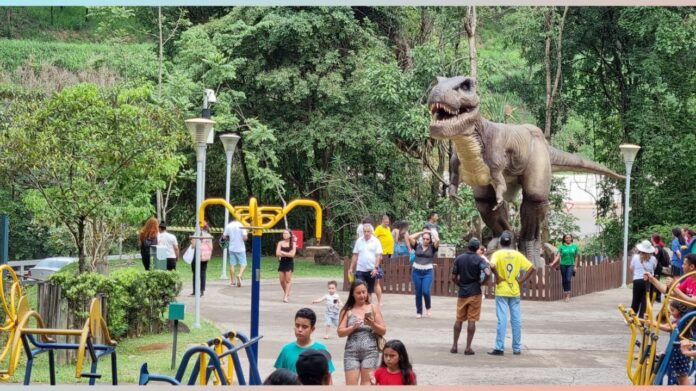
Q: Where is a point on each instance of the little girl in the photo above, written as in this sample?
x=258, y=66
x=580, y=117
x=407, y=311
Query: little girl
x=679, y=363
x=395, y=369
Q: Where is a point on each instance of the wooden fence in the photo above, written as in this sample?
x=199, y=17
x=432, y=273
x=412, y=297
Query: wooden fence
x=545, y=284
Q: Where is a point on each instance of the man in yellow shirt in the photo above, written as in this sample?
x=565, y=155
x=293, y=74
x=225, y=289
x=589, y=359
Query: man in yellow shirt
x=507, y=265
x=383, y=233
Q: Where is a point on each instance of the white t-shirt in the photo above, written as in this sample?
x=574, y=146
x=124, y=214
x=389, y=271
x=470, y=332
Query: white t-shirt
x=639, y=267
x=236, y=233
x=169, y=241
x=367, y=253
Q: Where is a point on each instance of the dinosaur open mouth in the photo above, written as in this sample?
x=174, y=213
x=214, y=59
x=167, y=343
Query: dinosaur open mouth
x=443, y=112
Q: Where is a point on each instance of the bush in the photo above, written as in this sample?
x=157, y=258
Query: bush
x=136, y=300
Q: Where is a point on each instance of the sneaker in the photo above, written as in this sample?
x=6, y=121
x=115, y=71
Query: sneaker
x=418, y=316
x=496, y=352
x=517, y=352
x=239, y=281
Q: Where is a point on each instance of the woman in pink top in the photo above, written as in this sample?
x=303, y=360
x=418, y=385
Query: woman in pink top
x=206, y=254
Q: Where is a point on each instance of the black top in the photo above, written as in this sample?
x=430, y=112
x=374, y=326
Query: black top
x=286, y=249
x=468, y=267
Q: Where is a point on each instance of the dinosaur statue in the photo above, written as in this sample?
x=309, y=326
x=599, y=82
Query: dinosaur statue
x=498, y=160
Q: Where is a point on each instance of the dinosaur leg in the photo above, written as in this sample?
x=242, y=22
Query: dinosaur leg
x=535, y=201
x=496, y=218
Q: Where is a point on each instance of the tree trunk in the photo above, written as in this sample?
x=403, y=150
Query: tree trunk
x=8, y=15
x=245, y=171
x=552, y=88
x=161, y=53
x=80, y=244
x=470, y=27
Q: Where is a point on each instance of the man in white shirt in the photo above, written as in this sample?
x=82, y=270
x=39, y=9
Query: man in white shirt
x=237, y=235
x=170, y=243
x=367, y=256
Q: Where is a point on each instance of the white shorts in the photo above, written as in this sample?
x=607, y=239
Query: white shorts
x=238, y=258
x=331, y=319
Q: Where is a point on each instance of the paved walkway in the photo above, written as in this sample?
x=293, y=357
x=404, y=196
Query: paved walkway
x=581, y=342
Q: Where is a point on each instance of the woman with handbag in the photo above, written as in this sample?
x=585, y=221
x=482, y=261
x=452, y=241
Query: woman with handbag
x=148, y=238
x=206, y=254
x=363, y=324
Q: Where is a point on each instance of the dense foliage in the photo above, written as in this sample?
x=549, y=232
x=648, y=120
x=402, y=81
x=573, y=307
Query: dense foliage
x=330, y=101
x=136, y=300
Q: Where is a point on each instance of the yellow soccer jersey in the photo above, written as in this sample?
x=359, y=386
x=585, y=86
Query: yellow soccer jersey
x=509, y=265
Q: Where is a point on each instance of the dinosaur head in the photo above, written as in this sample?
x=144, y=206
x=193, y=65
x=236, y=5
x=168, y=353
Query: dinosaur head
x=454, y=106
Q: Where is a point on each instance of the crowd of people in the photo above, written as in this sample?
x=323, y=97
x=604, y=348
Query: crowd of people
x=370, y=359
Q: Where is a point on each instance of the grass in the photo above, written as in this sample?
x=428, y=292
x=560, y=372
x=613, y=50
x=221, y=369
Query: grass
x=304, y=267
x=155, y=349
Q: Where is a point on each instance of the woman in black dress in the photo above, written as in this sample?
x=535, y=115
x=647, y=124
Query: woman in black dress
x=285, y=250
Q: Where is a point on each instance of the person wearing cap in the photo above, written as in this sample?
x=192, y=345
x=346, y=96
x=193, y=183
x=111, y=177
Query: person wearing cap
x=466, y=273
x=169, y=242
x=313, y=368
x=507, y=266
x=642, y=262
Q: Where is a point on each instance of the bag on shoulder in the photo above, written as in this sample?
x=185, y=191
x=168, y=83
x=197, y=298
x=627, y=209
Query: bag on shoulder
x=381, y=341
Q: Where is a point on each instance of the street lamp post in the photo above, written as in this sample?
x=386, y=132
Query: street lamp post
x=229, y=142
x=200, y=129
x=629, y=152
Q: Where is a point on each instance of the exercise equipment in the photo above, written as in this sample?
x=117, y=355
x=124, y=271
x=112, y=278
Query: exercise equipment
x=220, y=360
x=257, y=218
x=643, y=365
x=26, y=331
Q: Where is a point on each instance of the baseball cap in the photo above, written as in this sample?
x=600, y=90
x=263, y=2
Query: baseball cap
x=312, y=365
x=506, y=238
x=474, y=243
x=163, y=225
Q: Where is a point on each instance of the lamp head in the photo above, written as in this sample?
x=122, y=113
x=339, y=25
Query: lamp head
x=629, y=152
x=209, y=97
x=199, y=128
x=229, y=141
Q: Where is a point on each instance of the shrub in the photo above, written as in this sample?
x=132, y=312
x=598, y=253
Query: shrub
x=136, y=300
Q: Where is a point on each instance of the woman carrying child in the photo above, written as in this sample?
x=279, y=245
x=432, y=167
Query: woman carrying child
x=363, y=324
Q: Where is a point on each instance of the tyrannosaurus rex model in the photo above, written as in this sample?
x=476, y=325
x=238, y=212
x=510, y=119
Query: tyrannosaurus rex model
x=497, y=160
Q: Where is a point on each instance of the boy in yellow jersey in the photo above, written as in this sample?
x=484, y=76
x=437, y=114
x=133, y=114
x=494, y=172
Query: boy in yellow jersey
x=383, y=233
x=507, y=265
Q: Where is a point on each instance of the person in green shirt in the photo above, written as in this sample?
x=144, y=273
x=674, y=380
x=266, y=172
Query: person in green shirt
x=568, y=256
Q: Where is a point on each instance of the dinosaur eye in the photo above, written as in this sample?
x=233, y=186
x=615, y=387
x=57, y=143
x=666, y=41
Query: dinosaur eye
x=467, y=84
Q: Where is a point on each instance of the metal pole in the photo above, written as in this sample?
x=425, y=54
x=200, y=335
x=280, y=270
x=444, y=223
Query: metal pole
x=227, y=212
x=200, y=191
x=176, y=331
x=255, y=292
x=627, y=206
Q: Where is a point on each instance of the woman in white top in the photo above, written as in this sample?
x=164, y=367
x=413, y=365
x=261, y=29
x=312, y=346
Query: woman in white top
x=642, y=262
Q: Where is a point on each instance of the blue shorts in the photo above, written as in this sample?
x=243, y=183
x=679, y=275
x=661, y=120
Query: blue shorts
x=238, y=258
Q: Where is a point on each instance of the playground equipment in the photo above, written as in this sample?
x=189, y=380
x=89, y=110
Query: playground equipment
x=257, y=218
x=643, y=365
x=219, y=357
x=21, y=335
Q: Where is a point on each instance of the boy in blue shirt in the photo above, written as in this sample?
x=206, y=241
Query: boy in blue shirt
x=305, y=319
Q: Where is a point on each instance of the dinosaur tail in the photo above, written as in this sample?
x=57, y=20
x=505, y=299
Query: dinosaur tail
x=564, y=161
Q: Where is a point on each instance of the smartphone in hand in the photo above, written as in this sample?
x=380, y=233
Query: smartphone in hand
x=368, y=316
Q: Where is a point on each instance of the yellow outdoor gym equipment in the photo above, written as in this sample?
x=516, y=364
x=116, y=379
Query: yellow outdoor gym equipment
x=22, y=324
x=643, y=365
x=257, y=218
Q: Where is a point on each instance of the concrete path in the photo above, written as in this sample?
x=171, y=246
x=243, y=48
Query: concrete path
x=581, y=342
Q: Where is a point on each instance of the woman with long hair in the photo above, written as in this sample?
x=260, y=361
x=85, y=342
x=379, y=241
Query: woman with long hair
x=568, y=258
x=146, y=238
x=285, y=251
x=422, y=273
x=362, y=323
x=402, y=246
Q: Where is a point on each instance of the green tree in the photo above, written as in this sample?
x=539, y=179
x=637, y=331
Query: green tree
x=89, y=159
